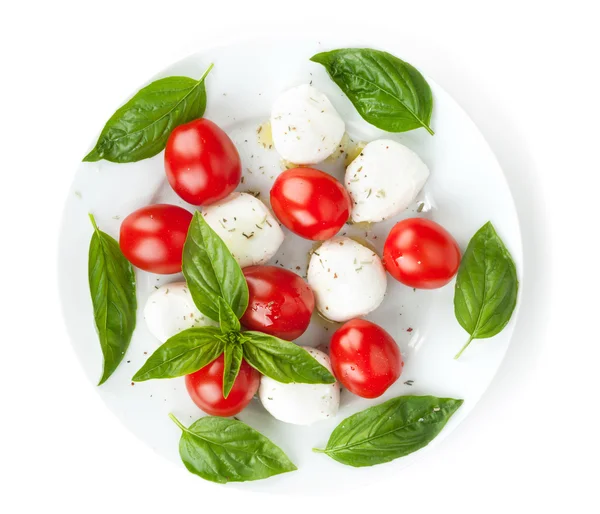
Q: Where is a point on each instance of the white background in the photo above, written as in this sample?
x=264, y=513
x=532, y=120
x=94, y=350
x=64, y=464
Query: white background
x=528, y=74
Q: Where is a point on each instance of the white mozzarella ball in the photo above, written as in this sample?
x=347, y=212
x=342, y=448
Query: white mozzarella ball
x=246, y=226
x=170, y=310
x=348, y=279
x=384, y=180
x=305, y=126
x=301, y=404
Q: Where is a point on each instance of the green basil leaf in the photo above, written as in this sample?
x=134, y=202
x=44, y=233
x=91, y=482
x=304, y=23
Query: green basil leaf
x=390, y=430
x=228, y=321
x=283, y=361
x=386, y=91
x=211, y=271
x=233, y=361
x=225, y=450
x=112, y=287
x=141, y=127
x=486, y=286
x=184, y=353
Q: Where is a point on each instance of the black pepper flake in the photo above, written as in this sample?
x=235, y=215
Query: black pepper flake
x=409, y=382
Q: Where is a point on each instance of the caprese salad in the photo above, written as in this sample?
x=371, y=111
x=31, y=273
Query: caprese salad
x=229, y=327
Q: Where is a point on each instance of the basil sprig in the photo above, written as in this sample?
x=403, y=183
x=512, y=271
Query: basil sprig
x=140, y=128
x=226, y=450
x=112, y=287
x=486, y=286
x=386, y=91
x=220, y=291
x=390, y=430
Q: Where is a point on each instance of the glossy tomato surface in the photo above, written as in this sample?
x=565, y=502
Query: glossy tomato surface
x=201, y=162
x=365, y=358
x=152, y=237
x=205, y=387
x=420, y=253
x=310, y=203
x=280, y=302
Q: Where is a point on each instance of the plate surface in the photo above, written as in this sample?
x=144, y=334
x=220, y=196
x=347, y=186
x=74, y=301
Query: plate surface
x=466, y=188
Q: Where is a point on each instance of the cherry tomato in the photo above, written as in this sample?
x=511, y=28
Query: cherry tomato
x=202, y=163
x=365, y=358
x=205, y=387
x=310, y=203
x=420, y=253
x=280, y=302
x=152, y=237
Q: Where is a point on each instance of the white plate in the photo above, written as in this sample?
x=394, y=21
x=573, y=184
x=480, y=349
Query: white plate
x=466, y=188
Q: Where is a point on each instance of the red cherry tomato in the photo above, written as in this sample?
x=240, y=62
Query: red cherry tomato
x=365, y=358
x=420, y=253
x=310, y=203
x=202, y=163
x=205, y=387
x=152, y=237
x=280, y=302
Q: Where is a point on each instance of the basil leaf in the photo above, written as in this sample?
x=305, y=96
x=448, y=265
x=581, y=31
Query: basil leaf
x=141, y=127
x=225, y=450
x=211, y=271
x=233, y=361
x=386, y=91
x=390, y=430
x=486, y=286
x=227, y=318
x=283, y=361
x=182, y=354
x=112, y=287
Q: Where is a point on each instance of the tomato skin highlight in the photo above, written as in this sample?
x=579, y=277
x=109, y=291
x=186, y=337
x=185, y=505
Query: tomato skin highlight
x=205, y=388
x=365, y=358
x=152, y=237
x=421, y=253
x=201, y=162
x=280, y=302
x=310, y=203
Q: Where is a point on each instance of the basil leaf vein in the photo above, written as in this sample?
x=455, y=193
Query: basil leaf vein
x=232, y=363
x=112, y=288
x=391, y=430
x=140, y=128
x=486, y=286
x=228, y=321
x=211, y=271
x=282, y=360
x=226, y=450
x=386, y=91
x=184, y=353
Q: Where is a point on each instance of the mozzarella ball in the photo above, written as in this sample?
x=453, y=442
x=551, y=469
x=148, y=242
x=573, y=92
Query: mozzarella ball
x=348, y=279
x=170, y=310
x=247, y=228
x=306, y=128
x=301, y=404
x=384, y=180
